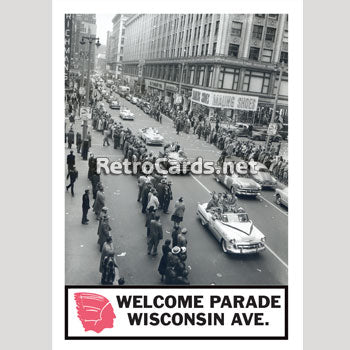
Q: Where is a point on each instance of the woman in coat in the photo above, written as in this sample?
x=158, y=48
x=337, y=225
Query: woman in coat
x=163, y=261
x=99, y=202
x=179, y=211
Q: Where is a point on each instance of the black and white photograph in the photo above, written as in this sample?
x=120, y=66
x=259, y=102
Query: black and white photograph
x=176, y=149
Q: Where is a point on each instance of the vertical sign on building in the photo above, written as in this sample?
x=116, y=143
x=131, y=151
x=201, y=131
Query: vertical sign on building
x=67, y=46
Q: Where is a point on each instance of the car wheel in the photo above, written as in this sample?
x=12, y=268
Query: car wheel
x=223, y=246
x=278, y=199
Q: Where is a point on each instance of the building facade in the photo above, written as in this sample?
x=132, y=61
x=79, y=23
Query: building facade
x=169, y=55
x=115, y=45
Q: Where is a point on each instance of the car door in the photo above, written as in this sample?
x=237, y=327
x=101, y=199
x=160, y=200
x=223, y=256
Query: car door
x=213, y=228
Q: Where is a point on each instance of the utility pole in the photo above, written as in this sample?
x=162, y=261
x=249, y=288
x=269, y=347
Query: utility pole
x=273, y=116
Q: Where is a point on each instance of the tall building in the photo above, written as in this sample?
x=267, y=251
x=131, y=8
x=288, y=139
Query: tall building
x=115, y=45
x=221, y=57
x=83, y=25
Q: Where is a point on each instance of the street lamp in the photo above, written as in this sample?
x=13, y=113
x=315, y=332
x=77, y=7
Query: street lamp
x=90, y=39
x=281, y=68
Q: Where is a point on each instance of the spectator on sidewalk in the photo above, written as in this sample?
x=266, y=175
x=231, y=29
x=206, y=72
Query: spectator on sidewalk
x=70, y=138
x=156, y=234
x=78, y=141
x=86, y=207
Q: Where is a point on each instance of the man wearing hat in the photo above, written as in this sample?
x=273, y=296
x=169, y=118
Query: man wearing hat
x=168, y=196
x=161, y=191
x=179, y=211
x=104, y=228
x=156, y=234
x=70, y=160
x=86, y=207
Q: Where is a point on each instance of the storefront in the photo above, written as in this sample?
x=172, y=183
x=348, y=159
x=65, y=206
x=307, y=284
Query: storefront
x=155, y=88
x=171, y=90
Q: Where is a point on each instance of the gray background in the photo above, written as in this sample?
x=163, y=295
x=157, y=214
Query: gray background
x=26, y=175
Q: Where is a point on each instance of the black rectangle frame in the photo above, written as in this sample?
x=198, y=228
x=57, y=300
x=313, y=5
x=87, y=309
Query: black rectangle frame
x=285, y=337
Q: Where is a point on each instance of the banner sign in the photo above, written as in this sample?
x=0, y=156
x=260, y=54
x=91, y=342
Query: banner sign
x=68, y=19
x=154, y=84
x=223, y=100
x=171, y=87
x=213, y=312
x=272, y=129
x=85, y=112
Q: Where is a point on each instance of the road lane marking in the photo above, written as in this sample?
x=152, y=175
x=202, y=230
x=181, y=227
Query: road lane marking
x=275, y=206
x=267, y=247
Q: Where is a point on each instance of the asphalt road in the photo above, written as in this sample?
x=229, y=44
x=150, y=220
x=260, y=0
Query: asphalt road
x=206, y=261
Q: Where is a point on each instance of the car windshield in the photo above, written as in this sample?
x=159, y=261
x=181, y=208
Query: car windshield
x=234, y=217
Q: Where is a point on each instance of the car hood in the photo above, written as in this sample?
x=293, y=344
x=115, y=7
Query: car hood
x=264, y=177
x=247, y=183
x=240, y=231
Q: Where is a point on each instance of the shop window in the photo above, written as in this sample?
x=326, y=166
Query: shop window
x=228, y=78
x=236, y=29
x=270, y=34
x=257, y=32
x=191, y=75
x=233, y=50
x=284, y=57
x=254, y=53
x=266, y=55
x=274, y=16
x=256, y=82
x=202, y=50
x=209, y=77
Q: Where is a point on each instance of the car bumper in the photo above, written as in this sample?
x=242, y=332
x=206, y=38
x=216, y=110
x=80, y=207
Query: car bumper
x=155, y=142
x=247, y=192
x=246, y=250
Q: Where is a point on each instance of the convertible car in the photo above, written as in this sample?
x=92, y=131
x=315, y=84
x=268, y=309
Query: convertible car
x=263, y=177
x=282, y=196
x=234, y=231
x=238, y=184
x=151, y=136
x=126, y=114
x=175, y=160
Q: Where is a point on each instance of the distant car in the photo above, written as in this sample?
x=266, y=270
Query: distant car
x=239, y=184
x=176, y=159
x=134, y=100
x=114, y=104
x=234, y=231
x=128, y=98
x=146, y=107
x=263, y=177
x=262, y=136
x=151, y=136
x=241, y=129
x=281, y=196
x=126, y=114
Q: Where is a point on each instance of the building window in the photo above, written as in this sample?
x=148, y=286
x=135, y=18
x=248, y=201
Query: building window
x=209, y=77
x=228, y=78
x=236, y=28
x=233, y=50
x=285, y=36
x=196, y=50
x=205, y=30
x=193, y=50
x=199, y=31
x=257, y=32
x=214, y=48
x=270, y=34
x=209, y=28
x=191, y=75
x=274, y=16
x=195, y=33
x=260, y=15
x=284, y=57
x=256, y=82
x=202, y=51
x=266, y=55
x=254, y=53
x=206, y=49
x=217, y=25
x=199, y=76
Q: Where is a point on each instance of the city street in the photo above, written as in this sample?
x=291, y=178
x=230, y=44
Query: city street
x=206, y=261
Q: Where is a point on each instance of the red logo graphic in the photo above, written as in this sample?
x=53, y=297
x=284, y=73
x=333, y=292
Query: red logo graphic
x=94, y=311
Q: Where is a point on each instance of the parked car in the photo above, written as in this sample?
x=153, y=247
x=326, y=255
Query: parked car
x=128, y=98
x=281, y=196
x=241, y=129
x=261, y=135
x=146, y=107
x=263, y=177
x=238, y=184
x=235, y=232
x=114, y=104
x=126, y=114
x=151, y=136
x=134, y=100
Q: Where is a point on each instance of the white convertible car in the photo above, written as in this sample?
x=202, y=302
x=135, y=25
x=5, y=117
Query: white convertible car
x=126, y=114
x=151, y=136
x=235, y=232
